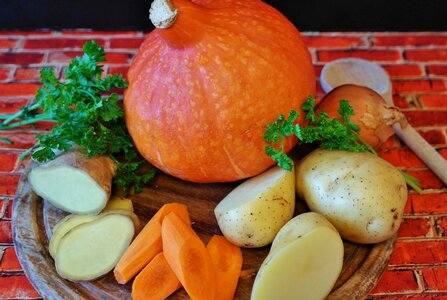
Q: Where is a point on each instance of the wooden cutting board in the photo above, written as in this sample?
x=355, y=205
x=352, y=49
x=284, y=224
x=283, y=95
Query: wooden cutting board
x=33, y=220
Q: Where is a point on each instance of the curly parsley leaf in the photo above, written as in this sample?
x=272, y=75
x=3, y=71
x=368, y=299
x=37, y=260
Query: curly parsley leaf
x=331, y=133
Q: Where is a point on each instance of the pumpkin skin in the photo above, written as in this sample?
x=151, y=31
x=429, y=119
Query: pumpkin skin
x=202, y=91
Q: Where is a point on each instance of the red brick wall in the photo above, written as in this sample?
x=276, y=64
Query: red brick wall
x=417, y=63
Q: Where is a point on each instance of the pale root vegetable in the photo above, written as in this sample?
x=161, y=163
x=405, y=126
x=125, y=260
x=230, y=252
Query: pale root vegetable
x=305, y=264
x=156, y=281
x=227, y=260
x=92, y=249
x=252, y=214
x=362, y=195
x=297, y=227
x=147, y=244
x=188, y=258
x=119, y=202
x=371, y=112
x=75, y=183
x=64, y=226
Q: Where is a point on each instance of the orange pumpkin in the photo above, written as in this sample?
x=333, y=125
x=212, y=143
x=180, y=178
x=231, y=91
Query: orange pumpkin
x=202, y=91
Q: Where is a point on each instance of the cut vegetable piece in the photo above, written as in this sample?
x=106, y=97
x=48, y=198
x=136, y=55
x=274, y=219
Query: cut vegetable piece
x=227, y=260
x=118, y=202
x=125, y=212
x=92, y=249
x=187, y=256
x=252, y=214
x=156, y=281
x=64, y=226
x=147, y=244
x=306, y=268
x=75, y=183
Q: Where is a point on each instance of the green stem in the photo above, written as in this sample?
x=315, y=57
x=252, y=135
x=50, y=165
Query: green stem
x=9, y=118
x=38, y=118
x=411, y=181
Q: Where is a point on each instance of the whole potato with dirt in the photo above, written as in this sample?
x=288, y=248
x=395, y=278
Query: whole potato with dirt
x=362, y=195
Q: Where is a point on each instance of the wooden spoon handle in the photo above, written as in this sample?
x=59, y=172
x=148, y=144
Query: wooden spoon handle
x=423, y=150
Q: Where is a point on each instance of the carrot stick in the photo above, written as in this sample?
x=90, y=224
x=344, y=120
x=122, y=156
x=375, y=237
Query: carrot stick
x=156, y=281
x=227, y=261
x=188, y=258
x=147, y=244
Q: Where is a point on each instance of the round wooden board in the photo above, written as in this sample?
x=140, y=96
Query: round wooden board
x=33, y=220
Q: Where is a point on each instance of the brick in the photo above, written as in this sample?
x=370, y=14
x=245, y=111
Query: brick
x=119, y=70
x=400, y=102
x=8, y=43
x=21, y=140
x=435, y=279
x=57, y=43
x=332, y=42
x=433, y=136
x=8, y=184
x=419, y=85
x=419, y=227
x=5, y=232
x=22, y=59
x=434, y=101
x=419, y=252
x=410, y=40
x=374, y=55
x=111, y=57
x=396, y=282
x=18, y=89
x=404, y=71
x=426, y=118
x=27, y=74
x=4, y=74
x=426, y=55
x=9, y=106
x=317, y=69
x=427, y=178
x=17, y=287
x=440, y=70
x=401, y=158
x=82, y=32
x=130, y=43
x=9, y=262
x=8, y=162
x=428, y=203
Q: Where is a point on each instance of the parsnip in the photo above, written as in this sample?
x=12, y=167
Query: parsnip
x=75, y=183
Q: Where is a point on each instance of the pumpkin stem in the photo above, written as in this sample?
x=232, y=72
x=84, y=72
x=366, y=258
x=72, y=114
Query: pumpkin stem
x=162, y=13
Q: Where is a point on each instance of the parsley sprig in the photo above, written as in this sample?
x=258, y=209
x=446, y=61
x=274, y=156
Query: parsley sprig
x=87, y=113
x=331, y=133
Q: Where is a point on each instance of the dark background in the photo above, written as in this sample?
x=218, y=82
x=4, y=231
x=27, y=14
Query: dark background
x=313, y=15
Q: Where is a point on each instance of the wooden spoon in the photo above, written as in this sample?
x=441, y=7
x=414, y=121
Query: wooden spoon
x=369, y=74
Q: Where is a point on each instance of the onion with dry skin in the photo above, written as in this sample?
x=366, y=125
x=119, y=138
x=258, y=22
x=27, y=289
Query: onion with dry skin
x=372, y=114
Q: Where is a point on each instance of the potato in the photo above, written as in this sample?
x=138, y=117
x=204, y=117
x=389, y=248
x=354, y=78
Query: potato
x=92, y=249
x=362, y=195
x=252, y=214
x=304, y=262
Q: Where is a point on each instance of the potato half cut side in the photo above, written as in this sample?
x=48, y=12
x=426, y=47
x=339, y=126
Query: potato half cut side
x=306, y=268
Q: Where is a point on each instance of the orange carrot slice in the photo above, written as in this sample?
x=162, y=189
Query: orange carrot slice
x=156, y=281
x=188, y=258
x=227, y=260
x=147, y=244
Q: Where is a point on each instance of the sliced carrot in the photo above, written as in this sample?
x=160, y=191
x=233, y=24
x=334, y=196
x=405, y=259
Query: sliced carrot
x=188, y=258
x=156, y=281
x=227, y=261
x=147, y=244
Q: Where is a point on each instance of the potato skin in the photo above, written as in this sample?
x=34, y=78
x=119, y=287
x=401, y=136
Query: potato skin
x=362, y=195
